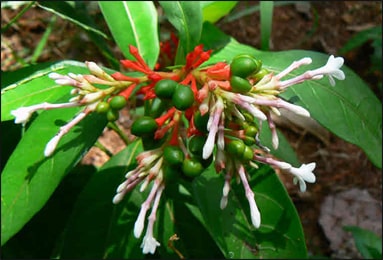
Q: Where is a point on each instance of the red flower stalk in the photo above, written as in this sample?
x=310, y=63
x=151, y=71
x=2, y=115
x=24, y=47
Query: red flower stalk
x=122, y=77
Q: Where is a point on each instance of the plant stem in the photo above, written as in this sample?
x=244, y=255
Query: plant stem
x=121, y=134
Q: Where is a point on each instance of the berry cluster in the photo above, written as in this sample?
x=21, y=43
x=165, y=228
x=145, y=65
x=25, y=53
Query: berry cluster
x=195, y=116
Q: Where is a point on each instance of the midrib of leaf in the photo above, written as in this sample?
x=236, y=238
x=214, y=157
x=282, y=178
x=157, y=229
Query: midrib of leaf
x=131, y=22
x=34, y=94
x=184, y=23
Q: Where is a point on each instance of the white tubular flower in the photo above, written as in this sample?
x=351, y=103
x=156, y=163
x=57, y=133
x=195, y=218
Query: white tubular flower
x=149, y=244
x=213, y=128
x=254, y=212
x=303, y=174
x=23, y=114
x=332, y=69
x=51, y=145
x=139, y=224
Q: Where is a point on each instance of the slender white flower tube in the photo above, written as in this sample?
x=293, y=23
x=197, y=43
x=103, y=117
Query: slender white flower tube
x=139, y=224
x=51, y=145
x=23, y=114
x=254, y=212
x=210, y=141
x=149, y=243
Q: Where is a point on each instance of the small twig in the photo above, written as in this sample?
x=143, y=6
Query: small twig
x=171, y=246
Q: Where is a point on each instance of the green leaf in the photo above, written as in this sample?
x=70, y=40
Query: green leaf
x=67, y=12
x=367, y=242
x=33, y=241
x=28, y=178
x=374, y=34
x=31, y=85
x=280, y=233
x=212, y=11
x=133, y=23
x=186, y=17
x=350, y=109
x=266, y=10
x=105, y=228
x=79, y=15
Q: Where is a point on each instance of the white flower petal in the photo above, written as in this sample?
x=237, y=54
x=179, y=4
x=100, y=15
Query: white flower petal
x=149, y=245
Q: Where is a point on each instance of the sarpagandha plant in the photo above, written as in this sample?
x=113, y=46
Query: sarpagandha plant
x=206, y=115
x=206, y=148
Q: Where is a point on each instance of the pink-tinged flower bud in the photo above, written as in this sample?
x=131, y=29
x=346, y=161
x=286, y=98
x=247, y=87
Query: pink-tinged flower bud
x=22, y=114
x=139, y=224
x=92, y=97
x=51, y=145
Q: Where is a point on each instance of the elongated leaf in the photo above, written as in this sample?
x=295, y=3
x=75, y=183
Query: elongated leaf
x=280, y=233
x=103, y=236
x=31, y=85
x=28, y=178
x=79, y=15
x=186, y=17
x=214, y=10
x=133, y=23
x=349, y=110
x=67, y=12
x=368, y=243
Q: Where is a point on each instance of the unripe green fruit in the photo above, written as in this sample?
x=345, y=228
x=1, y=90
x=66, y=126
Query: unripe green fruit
x=112, y=115
x=156, y=108
x=173, y=155
x=183, y=97
x=249, y=140
x=192, y=167
x=243, y=66
x=102, y=107
x=247, y=154
x=200, y=121
x=165, y=88
x=235, y=147
x=196, y=144
x=144, y=126
x=239, y=84
x=251, y=131
x=117, y=102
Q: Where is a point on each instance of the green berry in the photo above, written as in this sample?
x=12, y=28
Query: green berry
x=196, y=144
x=192, y=167
x=243, y=66
x=235, y=147
x=112, y=115
x=165, y=88
x=102, y=107
x=251, y=131
x=200, y=121
x=145, y=125
x=239, y=84
x=156, y=108
x=247, y=154
x=173, y=155
x=183, y=97
x=117, y=102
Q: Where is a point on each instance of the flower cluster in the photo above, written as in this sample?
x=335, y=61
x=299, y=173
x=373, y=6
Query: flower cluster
x=195, y=116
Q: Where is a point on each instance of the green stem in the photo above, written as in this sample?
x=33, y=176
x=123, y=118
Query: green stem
x=121, y=134
x=103, y=148
x=14, y=19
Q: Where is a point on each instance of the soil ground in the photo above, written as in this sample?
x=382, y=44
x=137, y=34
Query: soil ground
x=323, y=26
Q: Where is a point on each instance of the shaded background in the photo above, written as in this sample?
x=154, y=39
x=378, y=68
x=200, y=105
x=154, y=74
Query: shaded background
x=348, y=188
